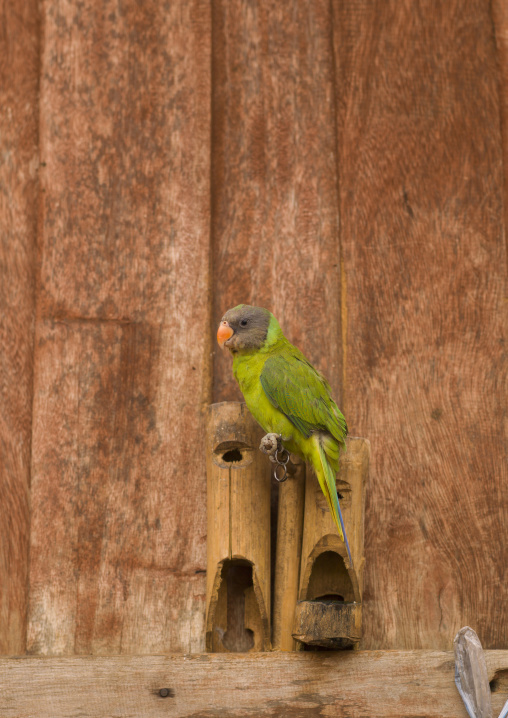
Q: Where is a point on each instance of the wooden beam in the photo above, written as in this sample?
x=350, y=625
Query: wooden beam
x=349, y=683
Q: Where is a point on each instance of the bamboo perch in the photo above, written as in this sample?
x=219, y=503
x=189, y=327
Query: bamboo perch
x=329, y=610
x=288, y=556
x=238, y=543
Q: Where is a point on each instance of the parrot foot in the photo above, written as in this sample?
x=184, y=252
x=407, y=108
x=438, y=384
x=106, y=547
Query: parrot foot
x=271, y=444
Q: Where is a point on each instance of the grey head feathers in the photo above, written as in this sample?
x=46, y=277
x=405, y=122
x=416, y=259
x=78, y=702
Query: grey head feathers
x=250, y=326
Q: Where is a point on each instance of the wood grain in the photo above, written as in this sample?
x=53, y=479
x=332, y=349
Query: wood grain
x=19, y=76
x=421, y=206
x=328, y=624
x=499, y=10
x=274, y=175
x=122, y=343
x=125, y=140
x=385, y=113
x=388, y=684
x=116, y=564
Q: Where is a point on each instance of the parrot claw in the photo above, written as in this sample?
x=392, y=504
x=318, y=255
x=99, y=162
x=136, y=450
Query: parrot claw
x=270, y=444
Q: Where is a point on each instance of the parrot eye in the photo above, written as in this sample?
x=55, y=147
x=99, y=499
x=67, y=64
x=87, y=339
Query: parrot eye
x=243, y=323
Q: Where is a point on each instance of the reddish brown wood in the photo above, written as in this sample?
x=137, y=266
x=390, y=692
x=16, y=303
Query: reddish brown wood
x=19, y=73
x=384, y=112
x=118, y=550
x=500, y=20
x=420, y=176
x=274, y=175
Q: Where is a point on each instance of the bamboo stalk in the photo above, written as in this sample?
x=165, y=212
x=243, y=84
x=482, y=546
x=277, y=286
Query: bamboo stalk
x=238, y=541
x=325, y=572
x=288, y=557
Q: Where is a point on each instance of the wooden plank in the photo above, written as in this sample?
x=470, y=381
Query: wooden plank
x=350, y=683
x=118, y=553
x=116, y=564
x=421, y=206
x=274, y=175
x=125, y=141
x=500, y=20
x=19, y=65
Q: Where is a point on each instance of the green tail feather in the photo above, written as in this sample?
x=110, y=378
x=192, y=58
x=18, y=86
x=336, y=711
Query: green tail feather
x=326, y=478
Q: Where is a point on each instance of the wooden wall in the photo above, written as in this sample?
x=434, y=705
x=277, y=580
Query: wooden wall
x=338, y=162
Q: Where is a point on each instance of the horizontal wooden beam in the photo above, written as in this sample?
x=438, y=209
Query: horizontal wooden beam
x=348, y=683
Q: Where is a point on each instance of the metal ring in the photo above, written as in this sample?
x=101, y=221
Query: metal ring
x=284, y=475
x=279, y=459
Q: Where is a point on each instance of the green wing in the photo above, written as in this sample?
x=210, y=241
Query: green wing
x=294, y=387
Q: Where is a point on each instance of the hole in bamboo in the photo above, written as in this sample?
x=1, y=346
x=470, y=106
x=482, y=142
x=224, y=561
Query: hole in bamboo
x=237, y=625
x=499, y=684
x=329, y=578
x=331, y=598
x=232, y=455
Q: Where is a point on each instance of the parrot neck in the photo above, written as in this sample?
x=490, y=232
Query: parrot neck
x=274, y=338
x=247, y=365
x=273, y=335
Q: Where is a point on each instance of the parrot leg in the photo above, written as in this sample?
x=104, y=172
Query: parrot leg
x=271, y=444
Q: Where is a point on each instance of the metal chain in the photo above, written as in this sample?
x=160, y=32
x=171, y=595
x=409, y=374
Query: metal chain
x=281, y=459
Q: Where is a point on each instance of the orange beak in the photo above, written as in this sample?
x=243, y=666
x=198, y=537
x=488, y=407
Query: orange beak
x=224, y=333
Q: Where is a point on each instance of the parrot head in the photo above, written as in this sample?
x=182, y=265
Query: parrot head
x=244, y=328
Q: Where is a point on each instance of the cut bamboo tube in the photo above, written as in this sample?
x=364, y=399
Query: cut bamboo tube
x=238, y=542
x=329, y=587
x=328, y=624
x=288, y=557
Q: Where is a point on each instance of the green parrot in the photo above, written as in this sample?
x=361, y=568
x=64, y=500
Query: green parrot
x=286, y=395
